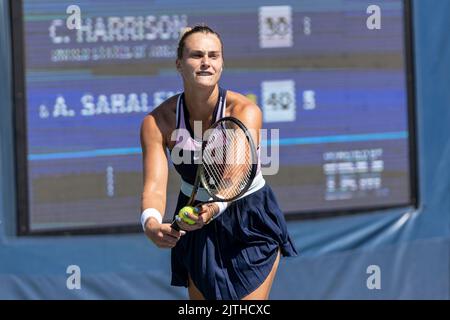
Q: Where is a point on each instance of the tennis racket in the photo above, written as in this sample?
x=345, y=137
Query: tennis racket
x=228, y=163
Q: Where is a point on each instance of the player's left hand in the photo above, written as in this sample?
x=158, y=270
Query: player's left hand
x=204, y=214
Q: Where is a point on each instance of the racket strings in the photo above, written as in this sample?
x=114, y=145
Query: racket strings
x=227, y=161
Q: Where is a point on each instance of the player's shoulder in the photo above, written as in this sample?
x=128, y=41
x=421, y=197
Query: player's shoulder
x=163, y=115
x=238, y=104
x=162, y=120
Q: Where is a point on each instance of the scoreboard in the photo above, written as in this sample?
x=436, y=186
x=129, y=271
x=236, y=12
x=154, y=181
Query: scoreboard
x=330, y=76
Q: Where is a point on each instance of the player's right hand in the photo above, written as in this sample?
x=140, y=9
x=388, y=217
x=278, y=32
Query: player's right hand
x=162, y=234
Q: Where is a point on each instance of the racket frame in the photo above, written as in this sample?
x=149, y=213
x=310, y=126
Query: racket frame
x=199, y=177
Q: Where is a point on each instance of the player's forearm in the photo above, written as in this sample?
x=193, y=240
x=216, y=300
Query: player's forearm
x=155, y=200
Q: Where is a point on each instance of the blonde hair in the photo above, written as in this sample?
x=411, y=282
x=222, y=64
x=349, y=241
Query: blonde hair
x=183, y=31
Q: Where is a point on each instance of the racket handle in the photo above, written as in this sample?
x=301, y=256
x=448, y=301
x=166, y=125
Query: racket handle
x=175, y=225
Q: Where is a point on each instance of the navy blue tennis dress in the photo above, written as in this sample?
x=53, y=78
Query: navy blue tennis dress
x=233, y=255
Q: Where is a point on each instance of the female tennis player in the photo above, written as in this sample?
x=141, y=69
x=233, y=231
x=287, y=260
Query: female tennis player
x=232, y=250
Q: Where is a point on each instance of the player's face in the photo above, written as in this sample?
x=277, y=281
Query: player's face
x=202, y=60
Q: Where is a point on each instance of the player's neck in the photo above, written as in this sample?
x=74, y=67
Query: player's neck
x=201, y=103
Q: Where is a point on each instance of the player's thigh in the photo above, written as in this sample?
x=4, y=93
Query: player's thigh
x=194, y=293
x=262, y=293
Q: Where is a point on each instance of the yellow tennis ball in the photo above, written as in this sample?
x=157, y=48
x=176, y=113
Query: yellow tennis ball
x=183, y=214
